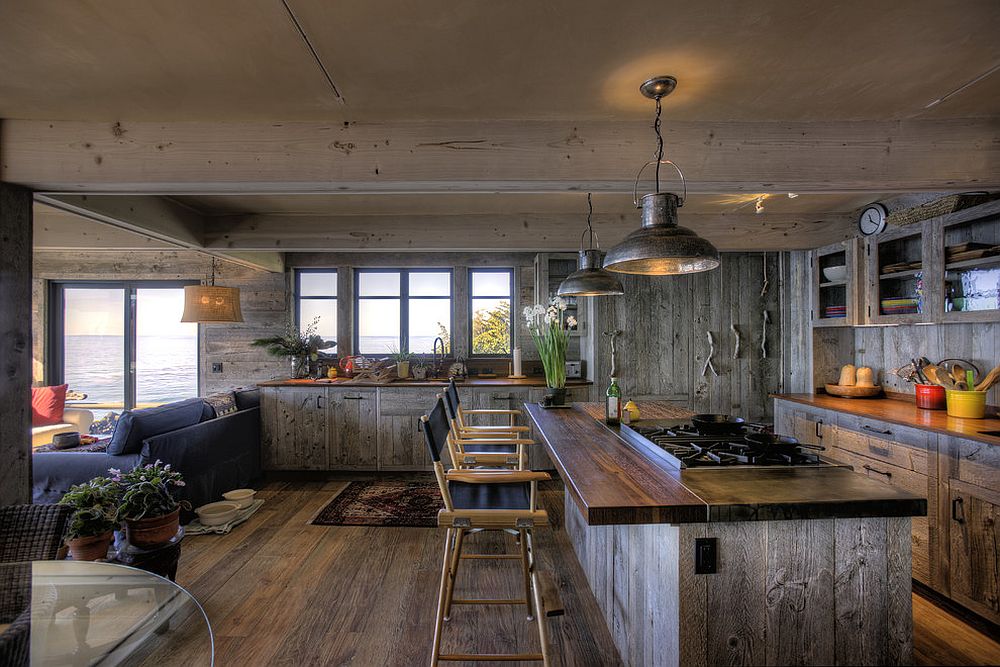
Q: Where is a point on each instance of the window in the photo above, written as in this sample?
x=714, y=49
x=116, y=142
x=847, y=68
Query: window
x=316, y=297
x=122, y=344
x=402, y=310
x=490, y=293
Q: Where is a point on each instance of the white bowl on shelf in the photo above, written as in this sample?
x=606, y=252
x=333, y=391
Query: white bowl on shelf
x=242, y=497
x=835, y=273
x=216, y=514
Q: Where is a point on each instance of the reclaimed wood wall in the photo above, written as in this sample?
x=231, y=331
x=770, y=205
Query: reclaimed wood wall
x=666, y=322
x=15, y=339
x=264, y=298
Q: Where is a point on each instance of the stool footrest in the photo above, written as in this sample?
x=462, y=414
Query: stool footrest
x=489, y=601
x=492, y=556
x=497, y=657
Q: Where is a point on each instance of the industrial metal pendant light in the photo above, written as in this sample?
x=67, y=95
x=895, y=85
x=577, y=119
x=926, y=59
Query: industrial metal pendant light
x=590, y=279
x=210, y=304
x=660, y=247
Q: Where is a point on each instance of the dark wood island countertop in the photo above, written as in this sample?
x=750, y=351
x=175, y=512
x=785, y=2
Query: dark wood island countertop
x=614, y=482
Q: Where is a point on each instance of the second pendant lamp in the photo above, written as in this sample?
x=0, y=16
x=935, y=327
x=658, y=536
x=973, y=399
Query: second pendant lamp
x=660, y=247
x=590, y=279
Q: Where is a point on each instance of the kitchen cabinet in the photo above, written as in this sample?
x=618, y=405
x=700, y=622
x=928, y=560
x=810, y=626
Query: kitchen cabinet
x=401, y=443
x=973, y=548
x=295, y=428
x=803, y=424
x=550, y=270
x=836, y=278
x=898, y=269
x=970, y=251
x=353, y=441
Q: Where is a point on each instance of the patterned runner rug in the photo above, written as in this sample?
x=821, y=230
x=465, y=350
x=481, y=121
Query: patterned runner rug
x=383, y=503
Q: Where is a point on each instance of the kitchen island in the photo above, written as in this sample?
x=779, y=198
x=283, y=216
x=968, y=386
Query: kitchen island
x=804, y=565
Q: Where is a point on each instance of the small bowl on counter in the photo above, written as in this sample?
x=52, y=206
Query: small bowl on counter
x=930, y=397
x=242, y=497
x=216, y=514
x=966, y=404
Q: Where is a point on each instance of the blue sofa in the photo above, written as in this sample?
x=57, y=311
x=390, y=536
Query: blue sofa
x=215, y=453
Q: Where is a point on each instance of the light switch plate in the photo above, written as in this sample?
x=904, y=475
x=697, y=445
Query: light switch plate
x=216, y=366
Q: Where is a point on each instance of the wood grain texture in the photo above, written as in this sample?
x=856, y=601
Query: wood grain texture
x=15, y=344
x=736, y=595
x=860, y=590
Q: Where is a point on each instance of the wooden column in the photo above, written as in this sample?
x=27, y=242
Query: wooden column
x=15, y=344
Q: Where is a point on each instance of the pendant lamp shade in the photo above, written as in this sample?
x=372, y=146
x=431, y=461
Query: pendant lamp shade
x=660, y=247
x=590, y=279
x=210, y=304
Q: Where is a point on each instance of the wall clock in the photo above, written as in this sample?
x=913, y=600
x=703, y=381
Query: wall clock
x=872, y=220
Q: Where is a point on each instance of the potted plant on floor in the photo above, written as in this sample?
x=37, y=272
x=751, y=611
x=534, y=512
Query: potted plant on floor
x=147, y=507
x=301, y=347
x=92, y=523
x=550, y=330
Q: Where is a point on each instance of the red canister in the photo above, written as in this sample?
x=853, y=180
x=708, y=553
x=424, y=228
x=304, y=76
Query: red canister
x=930, y=397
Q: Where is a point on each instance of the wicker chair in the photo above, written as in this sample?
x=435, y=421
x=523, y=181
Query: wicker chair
x=32, y=532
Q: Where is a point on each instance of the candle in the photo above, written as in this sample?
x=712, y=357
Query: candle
x=517, y=361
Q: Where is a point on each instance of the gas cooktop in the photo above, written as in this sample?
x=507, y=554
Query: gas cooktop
x=686, y=445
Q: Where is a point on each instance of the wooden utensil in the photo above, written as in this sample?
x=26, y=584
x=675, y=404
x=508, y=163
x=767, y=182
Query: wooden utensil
x=938, y=376
x=958, y=376
x=991, y=379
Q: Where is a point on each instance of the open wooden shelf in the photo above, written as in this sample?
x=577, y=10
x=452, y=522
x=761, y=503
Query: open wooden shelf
x=834, y=283
x=973, y=263
x=900, y=274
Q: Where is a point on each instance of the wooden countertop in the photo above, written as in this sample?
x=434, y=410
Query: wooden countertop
x=905, y=413
x=614, y=482
x=470, y=382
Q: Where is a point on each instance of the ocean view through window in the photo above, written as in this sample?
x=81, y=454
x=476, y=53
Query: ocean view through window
x=123, y=344
x=402, y=309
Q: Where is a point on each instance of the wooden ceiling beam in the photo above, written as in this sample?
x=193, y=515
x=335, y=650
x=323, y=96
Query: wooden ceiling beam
x=507, y=233
x=491, y=156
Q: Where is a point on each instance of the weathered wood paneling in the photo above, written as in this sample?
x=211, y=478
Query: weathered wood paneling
x=829, y=591
x=15, y=344
x=264, y=297
x=666, y=322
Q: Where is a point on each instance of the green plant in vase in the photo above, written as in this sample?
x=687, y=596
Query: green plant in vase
x=301, y=347
x=147, y=506
x=549, y=328
x=93, y=521
x=403, y=360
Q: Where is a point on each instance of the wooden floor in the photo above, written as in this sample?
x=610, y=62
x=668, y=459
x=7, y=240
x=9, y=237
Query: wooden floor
x=279, y=591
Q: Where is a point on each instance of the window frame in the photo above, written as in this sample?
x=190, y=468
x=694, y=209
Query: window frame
x=55, y=329
x=472, y=313
x=297, y=296
x=404, y=305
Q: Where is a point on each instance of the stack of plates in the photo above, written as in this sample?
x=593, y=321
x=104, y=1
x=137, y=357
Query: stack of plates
x=899, y=306
x=835, y=311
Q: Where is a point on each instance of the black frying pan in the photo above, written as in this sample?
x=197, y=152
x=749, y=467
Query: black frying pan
x=776, y=441
x=709, y=424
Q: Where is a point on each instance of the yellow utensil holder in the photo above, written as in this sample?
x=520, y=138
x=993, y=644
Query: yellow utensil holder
x=966, y=404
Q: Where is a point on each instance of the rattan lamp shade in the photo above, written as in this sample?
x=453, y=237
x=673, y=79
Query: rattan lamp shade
x=209, y=303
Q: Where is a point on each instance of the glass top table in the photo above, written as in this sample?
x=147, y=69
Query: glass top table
x=82, y=613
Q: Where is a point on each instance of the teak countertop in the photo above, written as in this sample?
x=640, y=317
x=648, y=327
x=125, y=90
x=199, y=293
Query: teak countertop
x=905, y=413
x=614, y=482
x=470, y=382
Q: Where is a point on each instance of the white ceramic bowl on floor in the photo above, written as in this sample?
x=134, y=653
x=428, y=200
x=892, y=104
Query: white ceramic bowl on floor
x=242, y=497
x=216, y=514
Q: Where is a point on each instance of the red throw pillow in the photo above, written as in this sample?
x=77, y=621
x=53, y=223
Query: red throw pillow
x=47, y=405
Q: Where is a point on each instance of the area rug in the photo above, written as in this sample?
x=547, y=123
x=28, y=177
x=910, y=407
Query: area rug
x=383, y=503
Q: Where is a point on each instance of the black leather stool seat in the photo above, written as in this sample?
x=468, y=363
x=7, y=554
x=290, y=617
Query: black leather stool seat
x=472, y=448
x=510, y=496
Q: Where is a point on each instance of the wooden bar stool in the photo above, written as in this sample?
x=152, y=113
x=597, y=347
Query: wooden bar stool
x=491, y=449
x=480, y=500
x=468, y=430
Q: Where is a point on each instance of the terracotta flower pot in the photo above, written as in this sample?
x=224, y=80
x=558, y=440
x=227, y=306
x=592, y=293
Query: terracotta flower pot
x=152, y=531
x=90, y=547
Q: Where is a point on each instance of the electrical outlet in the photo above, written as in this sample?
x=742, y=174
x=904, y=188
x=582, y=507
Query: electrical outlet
x=706, y=556
x=216, y=366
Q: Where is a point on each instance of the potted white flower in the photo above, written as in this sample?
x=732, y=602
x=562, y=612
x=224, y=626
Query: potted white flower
x=549, y=328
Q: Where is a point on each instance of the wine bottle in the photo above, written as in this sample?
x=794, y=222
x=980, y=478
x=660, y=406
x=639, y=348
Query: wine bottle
x=613, y=405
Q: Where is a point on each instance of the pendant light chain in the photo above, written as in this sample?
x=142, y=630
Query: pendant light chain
x=659, y=141
x=590, y=214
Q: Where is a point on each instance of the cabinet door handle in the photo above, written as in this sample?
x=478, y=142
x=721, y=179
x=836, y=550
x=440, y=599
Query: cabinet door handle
x=354, y=398
x=876, y=470
x=819, y=426
x=319, y=402
x=958, y=510
x=876, y=430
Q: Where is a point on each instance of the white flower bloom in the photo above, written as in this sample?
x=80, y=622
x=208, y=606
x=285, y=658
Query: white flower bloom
x=539, y=310
x=528, y=312
x=571, y=321
x=549, y=318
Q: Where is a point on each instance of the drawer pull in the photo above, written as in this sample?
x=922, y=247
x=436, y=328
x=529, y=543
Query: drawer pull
x=876, y=430
x=876, y=470
x=958, y=510
x=819, y=425
x=354, y=398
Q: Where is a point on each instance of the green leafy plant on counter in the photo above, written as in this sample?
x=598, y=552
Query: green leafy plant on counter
x=95, y=505
x=550, y=330
x=295, y=343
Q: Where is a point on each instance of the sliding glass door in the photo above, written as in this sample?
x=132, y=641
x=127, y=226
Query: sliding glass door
x=121, y=344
